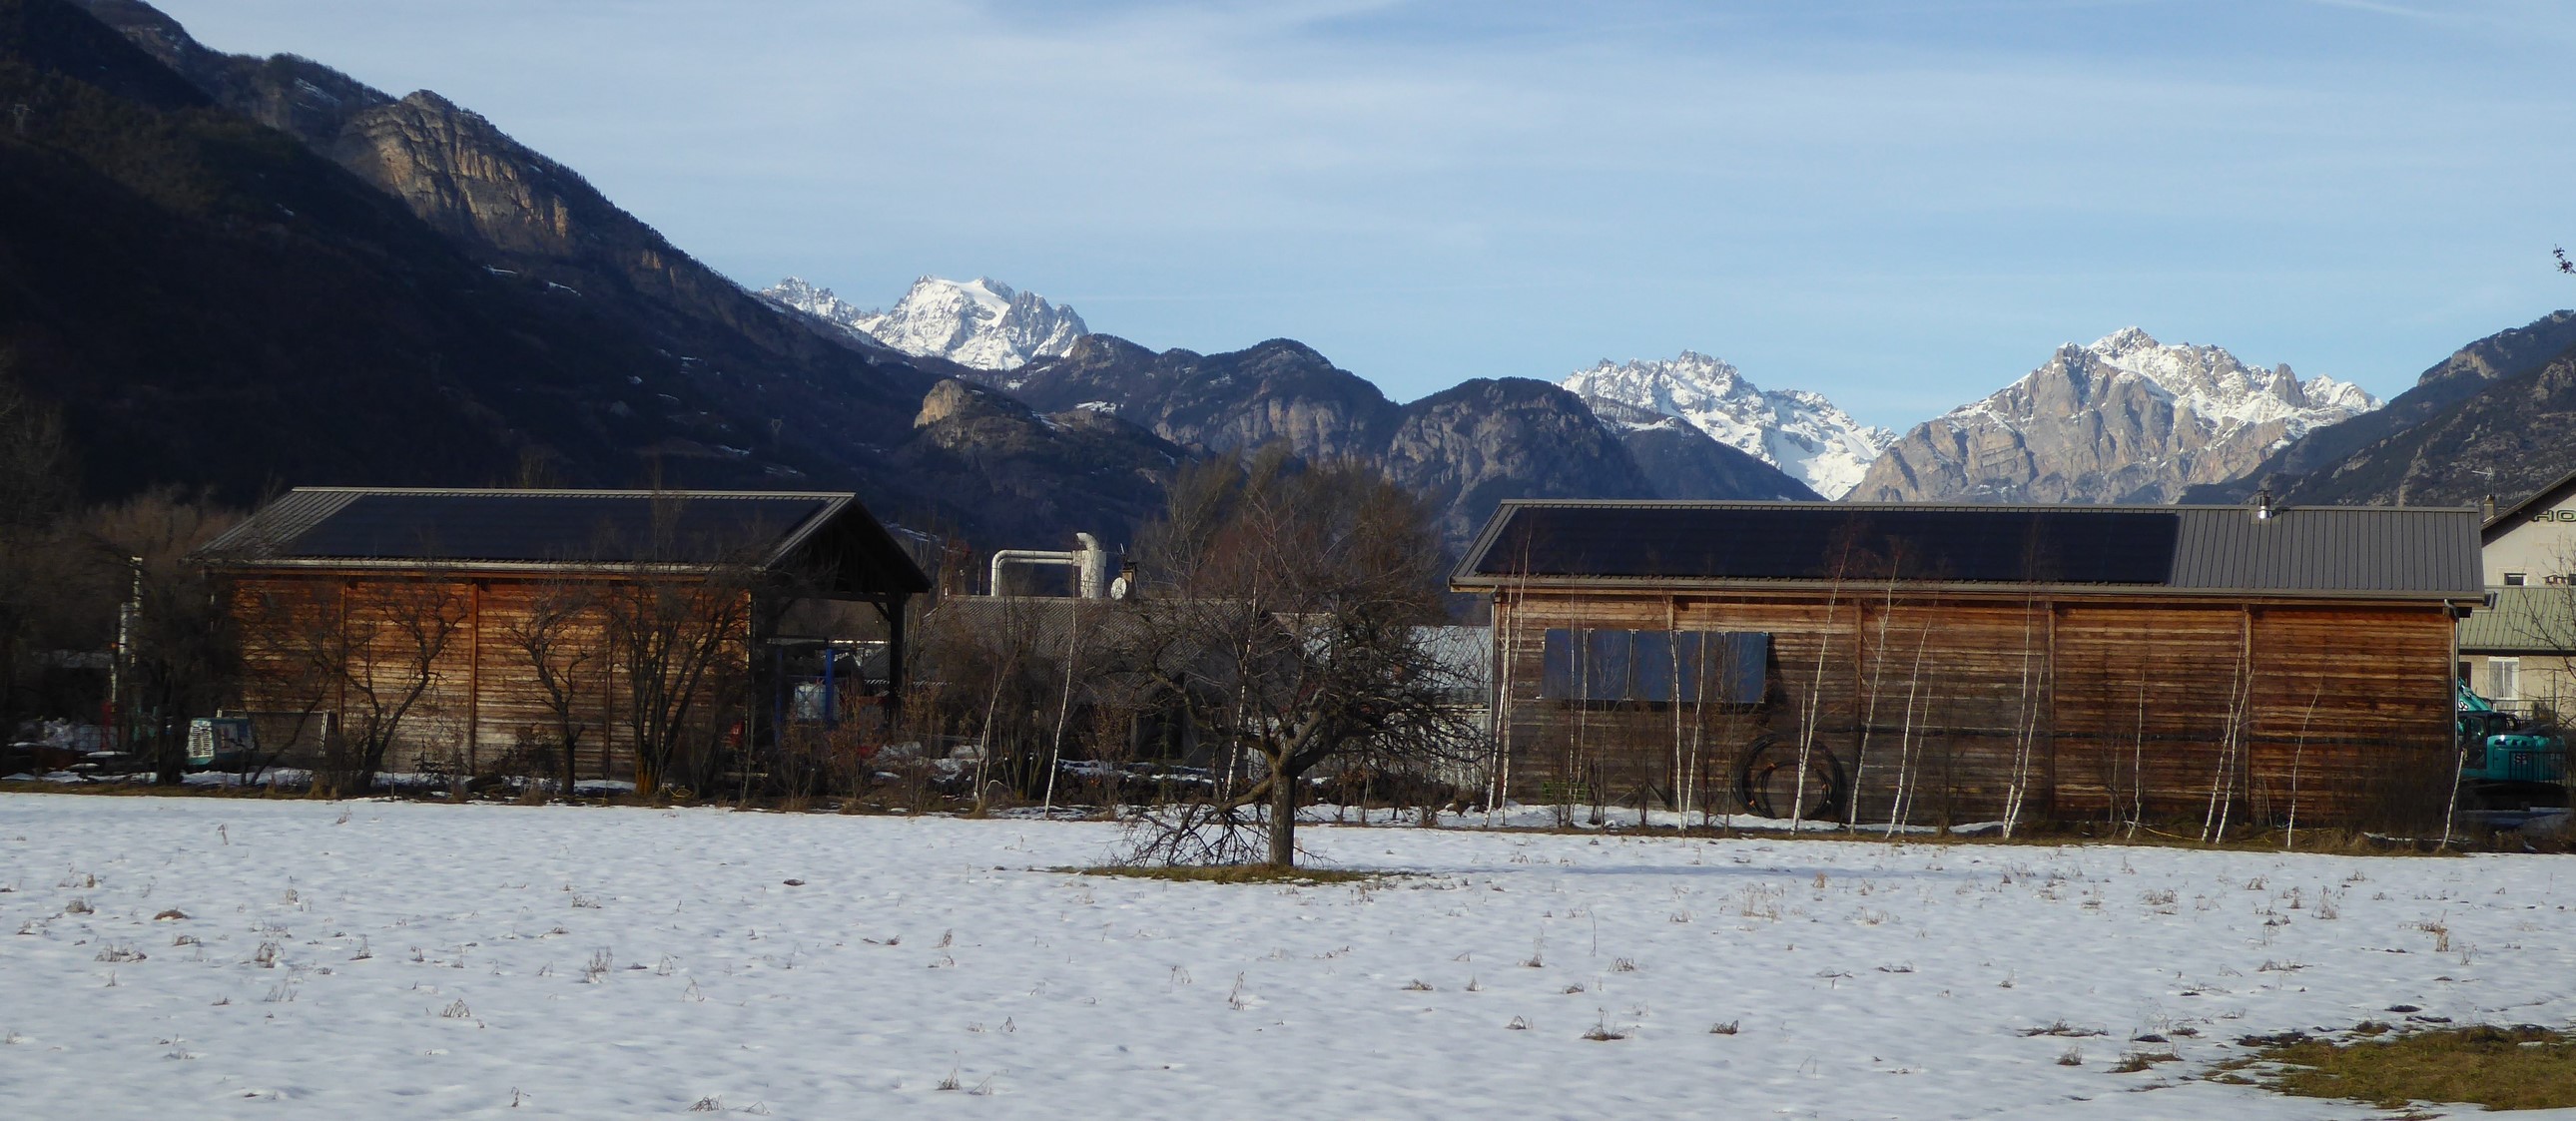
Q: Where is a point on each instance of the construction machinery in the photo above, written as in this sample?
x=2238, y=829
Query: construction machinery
x=2509, y=764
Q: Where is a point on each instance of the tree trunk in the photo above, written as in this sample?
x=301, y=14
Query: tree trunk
x=571, y=763
x=1283, y=819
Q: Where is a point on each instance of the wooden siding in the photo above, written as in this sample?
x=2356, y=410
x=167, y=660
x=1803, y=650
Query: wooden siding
x=2106, y=709
x=485, y=709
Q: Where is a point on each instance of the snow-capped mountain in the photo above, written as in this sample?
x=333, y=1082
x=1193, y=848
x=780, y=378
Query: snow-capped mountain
x=2123, y=419
x=982, y=323
x=1796, y=431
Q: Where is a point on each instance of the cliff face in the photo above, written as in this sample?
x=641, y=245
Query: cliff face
x=1274, y=392
x=549, y=324
x=1466, y=448
x=1079, y=468
x=2125, y=419
x=212, y=305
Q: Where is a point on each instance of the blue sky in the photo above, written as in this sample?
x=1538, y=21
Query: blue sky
x=1901, y=204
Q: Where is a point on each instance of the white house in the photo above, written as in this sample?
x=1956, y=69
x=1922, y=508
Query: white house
x=2519, y=650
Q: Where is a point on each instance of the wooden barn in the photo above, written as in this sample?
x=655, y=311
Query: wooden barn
x=625, y=635
x=1957, y=664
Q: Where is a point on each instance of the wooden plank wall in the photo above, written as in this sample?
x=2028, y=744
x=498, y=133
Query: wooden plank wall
x=2104, y=709
x=485, y=708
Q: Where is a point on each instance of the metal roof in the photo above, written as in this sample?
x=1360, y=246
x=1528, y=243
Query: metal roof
x=2302, y=551
x=2524, y=620
x=358, y=527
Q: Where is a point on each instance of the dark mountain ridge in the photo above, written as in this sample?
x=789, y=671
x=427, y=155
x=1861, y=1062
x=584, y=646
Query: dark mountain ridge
x=1464, y=449
x=2493, y=418
x=247, y=273
x=210, y=304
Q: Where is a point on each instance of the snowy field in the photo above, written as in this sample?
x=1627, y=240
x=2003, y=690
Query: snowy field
x=386, y=959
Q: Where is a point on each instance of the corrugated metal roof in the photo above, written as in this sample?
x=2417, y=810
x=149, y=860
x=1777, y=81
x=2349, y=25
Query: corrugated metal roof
x=400, y=527
x=2330, y=548
x=2337, y=551
x=2524, y=620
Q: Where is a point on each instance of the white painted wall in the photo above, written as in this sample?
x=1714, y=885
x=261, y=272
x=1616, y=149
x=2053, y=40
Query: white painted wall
x=2539, y=543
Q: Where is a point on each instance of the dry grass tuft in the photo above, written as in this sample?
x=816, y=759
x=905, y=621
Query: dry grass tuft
x=2520, y=1067
x=2062, y=1029
x=2136, y=1061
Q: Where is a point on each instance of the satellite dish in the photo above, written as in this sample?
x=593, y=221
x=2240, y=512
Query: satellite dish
x=1118, y=588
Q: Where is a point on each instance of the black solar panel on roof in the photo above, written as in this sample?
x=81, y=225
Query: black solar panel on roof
x=542, y=527
x=1823, y=543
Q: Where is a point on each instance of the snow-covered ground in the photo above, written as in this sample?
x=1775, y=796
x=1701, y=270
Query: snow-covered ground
x=388, y=959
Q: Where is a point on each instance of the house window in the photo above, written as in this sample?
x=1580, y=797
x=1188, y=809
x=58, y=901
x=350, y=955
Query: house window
x=1725, y=667
x=2514, y=579
x=2504, y=679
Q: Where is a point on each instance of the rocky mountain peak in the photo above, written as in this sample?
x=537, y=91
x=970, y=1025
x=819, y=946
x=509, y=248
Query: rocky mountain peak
x=2125, y=418
x=1800, y=432
x=2126, y=340
x=982, y=323
x=2214, y=384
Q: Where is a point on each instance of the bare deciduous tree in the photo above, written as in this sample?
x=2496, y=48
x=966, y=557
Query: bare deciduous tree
x=1286, y=616
x=559, y=633
x=180, y=658
x=365, y=651
x=677, y=644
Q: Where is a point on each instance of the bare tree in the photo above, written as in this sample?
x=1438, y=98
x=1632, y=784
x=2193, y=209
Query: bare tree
x=2224, y=776
x=367, y=650
x=559, y=633
x=180, y=655
x=1287, y=617
x=676, y=641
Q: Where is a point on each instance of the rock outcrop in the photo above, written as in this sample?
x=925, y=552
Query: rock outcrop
x=1468, y=447
x=1279, y=391
x=2125, y=419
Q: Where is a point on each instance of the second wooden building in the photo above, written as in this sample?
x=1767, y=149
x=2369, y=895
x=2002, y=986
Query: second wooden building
x=2217, y=666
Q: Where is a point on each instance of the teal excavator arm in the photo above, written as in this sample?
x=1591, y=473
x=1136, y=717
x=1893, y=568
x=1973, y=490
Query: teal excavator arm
x=2471, y=702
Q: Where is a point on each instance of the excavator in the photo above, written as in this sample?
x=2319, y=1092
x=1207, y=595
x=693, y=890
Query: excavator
x=2510, y=766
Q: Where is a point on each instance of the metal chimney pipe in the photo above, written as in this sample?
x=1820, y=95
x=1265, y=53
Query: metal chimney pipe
x=1090, y=564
